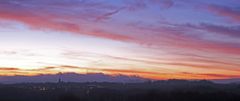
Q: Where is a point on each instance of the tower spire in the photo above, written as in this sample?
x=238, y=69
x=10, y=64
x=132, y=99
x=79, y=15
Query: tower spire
x=60, y=79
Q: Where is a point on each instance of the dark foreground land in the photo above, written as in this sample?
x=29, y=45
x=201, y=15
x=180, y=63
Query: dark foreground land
x=172, y=90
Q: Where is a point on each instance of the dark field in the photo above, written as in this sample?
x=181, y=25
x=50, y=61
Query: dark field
x=172, y=90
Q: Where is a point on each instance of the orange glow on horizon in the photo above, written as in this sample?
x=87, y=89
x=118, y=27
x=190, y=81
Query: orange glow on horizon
x=114, y=72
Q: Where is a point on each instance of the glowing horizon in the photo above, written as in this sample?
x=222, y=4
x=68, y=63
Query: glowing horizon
x=158, y=39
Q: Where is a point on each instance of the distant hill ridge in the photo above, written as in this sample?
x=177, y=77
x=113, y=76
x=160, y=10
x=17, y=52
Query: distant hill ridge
x=93, y=77
x=71, y=77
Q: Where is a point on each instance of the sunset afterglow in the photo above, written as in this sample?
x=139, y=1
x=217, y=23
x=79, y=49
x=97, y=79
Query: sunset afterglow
x=157, y=39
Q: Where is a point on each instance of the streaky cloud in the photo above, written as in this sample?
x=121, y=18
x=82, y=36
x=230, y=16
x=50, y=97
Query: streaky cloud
x=227, y=12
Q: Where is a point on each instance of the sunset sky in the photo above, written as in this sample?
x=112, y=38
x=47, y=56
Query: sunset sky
x=158, y=39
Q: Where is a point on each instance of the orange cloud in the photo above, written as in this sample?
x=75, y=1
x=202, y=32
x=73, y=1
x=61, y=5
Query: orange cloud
x=9, y=69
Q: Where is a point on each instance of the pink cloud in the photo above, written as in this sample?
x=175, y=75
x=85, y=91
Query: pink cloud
x=177, y=36
x=230, y=13
x=40, y=18
x=232, y=31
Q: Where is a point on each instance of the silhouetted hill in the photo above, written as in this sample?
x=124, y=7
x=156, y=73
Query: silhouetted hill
x=226, y=81
x=71, y=77
x=93, y=77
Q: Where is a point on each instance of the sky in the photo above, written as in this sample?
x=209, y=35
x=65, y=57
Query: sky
x=157, y=39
